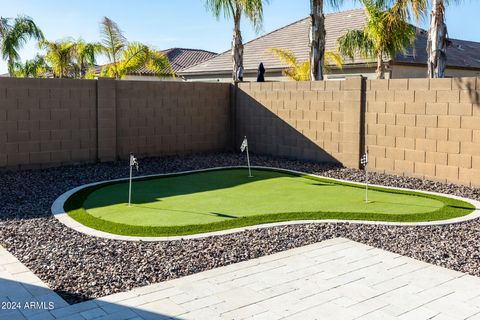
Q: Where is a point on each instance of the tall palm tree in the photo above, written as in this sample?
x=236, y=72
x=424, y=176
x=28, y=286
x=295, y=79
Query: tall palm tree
x=438, y=39
x=300, y=71
x=317, y=36
x=437, y=33
x=125, y=57
x=385, y=34
x=317, y=30
x=14, y=33
x=60, y=56
x=253, y=11
x=85, y=56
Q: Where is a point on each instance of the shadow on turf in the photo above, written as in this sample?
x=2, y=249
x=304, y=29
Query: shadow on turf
x=222, y=215
x=147, y=191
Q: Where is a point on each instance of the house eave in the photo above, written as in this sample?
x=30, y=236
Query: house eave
x=279, y=69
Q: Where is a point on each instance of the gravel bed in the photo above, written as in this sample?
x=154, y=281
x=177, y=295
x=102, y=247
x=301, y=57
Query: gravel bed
x=80, y=267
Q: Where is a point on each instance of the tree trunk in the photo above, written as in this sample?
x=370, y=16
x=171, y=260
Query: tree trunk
x=317, y=40
x=237, y=46
x=11, y=66
x=380, y=67
x=83, y=70
x=437, y=41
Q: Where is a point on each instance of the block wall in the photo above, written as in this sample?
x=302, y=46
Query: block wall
x=317, y=121
x=46, y=122
x=160, y=118
x=425, y=128
x=413, y=127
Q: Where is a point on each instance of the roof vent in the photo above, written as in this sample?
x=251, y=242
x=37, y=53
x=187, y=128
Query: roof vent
x=459, y=47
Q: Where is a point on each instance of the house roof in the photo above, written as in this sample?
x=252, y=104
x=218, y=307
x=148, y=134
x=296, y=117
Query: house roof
x=460, y=53
x=295, y=37
x=181, y=58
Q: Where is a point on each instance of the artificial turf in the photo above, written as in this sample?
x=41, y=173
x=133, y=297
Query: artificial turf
x=222, y=199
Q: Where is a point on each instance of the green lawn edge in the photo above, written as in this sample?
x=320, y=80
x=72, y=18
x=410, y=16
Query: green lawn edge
x=73, y=206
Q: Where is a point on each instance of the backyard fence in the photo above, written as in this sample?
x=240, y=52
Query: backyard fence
x=415, y=127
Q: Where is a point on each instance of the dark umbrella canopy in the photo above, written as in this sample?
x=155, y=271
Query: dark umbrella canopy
x=261, y=73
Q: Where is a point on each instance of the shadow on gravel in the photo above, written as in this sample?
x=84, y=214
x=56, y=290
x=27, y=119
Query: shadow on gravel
x=20, y=300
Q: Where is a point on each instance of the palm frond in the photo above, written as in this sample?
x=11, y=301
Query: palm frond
x=112, y=39
x=60, y=56
x=108, y=71
x=133, y=57
x=91, y=73
x=219, y=7
x=300, y=71
x=160, y=64
x=252, y=9
x=333, y=58
x=353, y=42
x=284, y=55
x=14, y=35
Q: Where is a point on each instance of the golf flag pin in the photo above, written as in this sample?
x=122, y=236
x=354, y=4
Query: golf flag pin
x=244, y=144
x=364, y=160
x=244, y=147
x=133, y=162
x=364, y=163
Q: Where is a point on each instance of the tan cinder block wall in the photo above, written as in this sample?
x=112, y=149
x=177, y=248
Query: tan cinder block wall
x=107, y=119
x=425, y=128
x=412, y=127
x=161, y=118
x=318, y=121
x=46, y=122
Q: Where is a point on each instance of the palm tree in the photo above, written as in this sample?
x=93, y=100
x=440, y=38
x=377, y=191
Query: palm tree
x=300, y=71
x=60, y=56
x=252, y=9
x=318, y=33
x=125, y=57
x=34, y=68
x=407, y=9
x=317, y=37
x=85, y=56
x=13, y=36
x=437, y=33
x=437, y=39
x=385, y=34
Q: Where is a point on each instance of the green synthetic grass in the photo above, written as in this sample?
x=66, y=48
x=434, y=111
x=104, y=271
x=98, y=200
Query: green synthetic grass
x=223, y=199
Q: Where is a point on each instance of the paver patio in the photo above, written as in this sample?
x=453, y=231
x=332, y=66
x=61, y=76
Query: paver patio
x=333, y=279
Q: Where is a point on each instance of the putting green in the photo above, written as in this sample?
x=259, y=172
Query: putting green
x=222, y=199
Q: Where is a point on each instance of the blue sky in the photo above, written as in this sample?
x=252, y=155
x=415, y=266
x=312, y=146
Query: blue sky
x=178, y=23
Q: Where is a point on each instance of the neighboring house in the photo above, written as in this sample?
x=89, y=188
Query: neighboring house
x=179, y=58
x=463, y=56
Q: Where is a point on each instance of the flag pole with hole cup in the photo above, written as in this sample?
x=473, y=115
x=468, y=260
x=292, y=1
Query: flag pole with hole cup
x=133, y=162
x=364, y=163
x=244, y=147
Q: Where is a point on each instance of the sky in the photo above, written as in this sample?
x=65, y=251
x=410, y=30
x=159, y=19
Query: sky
x=165, y=24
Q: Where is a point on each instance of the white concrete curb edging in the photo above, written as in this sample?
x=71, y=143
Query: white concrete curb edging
x=60, y=214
